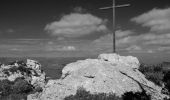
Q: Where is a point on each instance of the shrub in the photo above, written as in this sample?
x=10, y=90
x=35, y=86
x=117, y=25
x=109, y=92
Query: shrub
x=155, y=77
x=145, y=68
x=21, y=86
x=136, y=96
x=5, y=87
x=166, y=80
x=14, y=97
x=153, y=73
x=158, y=68
x=82, y=94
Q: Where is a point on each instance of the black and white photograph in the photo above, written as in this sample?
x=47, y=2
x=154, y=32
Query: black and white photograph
x=84, y=49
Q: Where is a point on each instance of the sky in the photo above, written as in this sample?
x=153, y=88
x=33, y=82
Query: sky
x=78, y=28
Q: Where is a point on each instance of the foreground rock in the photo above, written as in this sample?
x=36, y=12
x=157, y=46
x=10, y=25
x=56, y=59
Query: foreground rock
x=110, y=73
x=29, y=72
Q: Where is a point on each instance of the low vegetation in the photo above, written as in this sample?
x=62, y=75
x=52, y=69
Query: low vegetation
x=21, y=86
x=82, y=94
x=154, y=73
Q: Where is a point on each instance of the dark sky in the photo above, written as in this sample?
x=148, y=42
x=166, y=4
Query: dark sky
x=29, y=17
x=41, y=27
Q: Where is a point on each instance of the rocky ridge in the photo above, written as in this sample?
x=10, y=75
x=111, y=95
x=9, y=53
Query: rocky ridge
x=110, y=73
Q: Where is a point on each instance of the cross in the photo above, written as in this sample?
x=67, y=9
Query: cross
x=113, y=7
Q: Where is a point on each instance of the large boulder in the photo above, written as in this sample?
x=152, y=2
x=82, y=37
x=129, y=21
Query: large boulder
x=110, y=73
x=29, y=71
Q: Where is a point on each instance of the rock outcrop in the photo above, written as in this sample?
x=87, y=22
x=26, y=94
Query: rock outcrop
x=110, y=73
x=29, y=71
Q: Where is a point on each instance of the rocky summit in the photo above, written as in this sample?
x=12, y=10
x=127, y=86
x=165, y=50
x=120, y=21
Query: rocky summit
x=110, y=73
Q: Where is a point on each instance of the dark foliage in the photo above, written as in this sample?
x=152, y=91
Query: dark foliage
x=166, y=80
x=136, y=96
x=151, y=68
x=5, y=87
x=23, y=69
x=153, y=73
x=21, y=86
x=155, y=77
x=82, y=94
x=14, y=97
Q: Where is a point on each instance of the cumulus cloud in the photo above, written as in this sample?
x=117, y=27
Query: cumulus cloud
x=158, y=20
x=76, y=25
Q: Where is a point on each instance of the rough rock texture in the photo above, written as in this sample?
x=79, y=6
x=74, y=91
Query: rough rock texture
x=110, y=73
x=30, y=71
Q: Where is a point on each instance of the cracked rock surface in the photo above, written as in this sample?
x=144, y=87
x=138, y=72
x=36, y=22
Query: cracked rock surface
x=110, y=73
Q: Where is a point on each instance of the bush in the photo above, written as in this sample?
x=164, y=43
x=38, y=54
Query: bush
x=14, y=97
x=158, y=68
x=150, y=68
x=153, y=73
x=82, y=94
x=136, y=96
x=155, y=77
x=5, y=87
x=21, y=86
x=166, y=80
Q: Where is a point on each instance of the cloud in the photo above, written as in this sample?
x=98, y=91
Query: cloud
x=158, y=20
x=79, y=10
x=134, y=42
x=68, y=48
x=123, y=39
x=134, y=48
x=164, y=48
x=120, y=33
x=76, y=25
x=138, y=49
x=15, y=49
x=60, y=48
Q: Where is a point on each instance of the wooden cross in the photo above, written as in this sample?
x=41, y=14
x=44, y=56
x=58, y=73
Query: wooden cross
x=113, y=7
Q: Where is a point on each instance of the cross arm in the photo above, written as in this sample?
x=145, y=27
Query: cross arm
x=118, y=6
